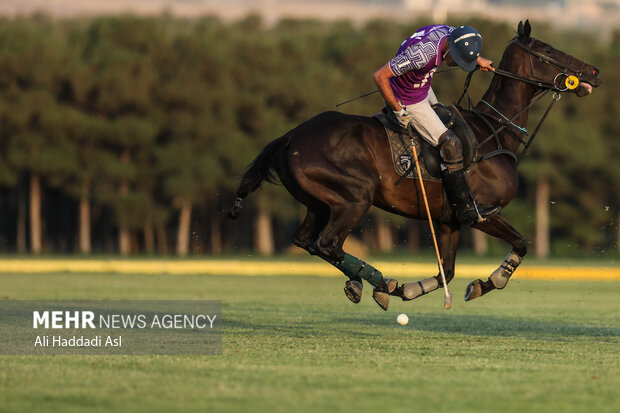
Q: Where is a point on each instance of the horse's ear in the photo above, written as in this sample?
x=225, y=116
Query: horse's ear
x=527, y=29
x=524, y=31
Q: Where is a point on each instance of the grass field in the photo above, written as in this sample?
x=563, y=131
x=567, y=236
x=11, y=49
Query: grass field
x=296, y=344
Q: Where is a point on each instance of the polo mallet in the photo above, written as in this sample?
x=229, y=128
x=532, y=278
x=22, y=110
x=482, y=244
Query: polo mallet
x=447, y=303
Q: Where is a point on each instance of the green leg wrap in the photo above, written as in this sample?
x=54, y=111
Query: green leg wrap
x=354, y=267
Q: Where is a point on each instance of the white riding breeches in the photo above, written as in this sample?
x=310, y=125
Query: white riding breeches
x=425, y=120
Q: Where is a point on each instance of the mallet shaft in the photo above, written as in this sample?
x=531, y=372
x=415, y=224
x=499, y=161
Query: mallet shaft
x=447, y=293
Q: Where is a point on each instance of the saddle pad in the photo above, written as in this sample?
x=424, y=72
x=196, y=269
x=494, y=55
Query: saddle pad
x=402, y=155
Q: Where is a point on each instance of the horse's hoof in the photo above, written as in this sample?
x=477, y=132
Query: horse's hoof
x=353, y=290
x=473, y=290
x=391, y=284
x=381, y=292
x=381, y=298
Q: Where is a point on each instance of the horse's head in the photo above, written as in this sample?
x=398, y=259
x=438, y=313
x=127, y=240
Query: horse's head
x=553, y=68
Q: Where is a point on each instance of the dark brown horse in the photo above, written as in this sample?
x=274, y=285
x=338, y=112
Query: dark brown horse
x=339, y=165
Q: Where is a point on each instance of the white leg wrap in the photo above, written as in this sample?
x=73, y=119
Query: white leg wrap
x=502, y=274
x=416, y=289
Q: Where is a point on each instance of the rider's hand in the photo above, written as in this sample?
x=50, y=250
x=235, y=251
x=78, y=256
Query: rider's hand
x=403, y=117
x=485, y=64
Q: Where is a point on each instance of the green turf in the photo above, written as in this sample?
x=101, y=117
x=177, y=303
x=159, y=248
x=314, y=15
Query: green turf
x=296, y=344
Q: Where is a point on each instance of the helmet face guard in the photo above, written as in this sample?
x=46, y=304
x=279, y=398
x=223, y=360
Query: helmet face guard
x=465, y=47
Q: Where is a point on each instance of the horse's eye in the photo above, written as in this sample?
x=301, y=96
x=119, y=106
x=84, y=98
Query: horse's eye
x=549, y=50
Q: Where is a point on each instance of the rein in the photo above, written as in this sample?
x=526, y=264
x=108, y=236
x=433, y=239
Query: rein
x=570, y=82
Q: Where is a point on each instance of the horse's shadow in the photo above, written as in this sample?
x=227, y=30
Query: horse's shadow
x=484, y=325
x=310, y=324
x=326, y=323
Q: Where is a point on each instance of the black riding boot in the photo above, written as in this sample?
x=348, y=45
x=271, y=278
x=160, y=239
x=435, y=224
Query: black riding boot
x=459, y=195
x=467, y=211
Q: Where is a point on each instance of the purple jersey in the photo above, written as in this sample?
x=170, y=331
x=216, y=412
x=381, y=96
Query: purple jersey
x=416, y=61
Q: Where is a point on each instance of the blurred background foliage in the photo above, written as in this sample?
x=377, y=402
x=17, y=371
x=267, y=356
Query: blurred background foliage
x=128, y=134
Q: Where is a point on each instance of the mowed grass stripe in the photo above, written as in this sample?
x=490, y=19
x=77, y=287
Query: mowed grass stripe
x=262, y=268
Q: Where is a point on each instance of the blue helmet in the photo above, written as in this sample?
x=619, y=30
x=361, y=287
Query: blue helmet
x=465, y=47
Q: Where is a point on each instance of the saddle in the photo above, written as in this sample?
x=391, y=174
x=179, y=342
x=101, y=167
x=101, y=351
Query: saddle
x=428, y=155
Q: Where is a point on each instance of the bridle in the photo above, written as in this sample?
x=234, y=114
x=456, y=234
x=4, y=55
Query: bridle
x=566, y=73
x=566, y=79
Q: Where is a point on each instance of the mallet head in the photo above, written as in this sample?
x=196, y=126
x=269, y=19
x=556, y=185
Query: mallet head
x=447, y=304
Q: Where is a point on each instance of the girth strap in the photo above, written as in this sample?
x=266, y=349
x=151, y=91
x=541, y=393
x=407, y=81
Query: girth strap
x=496, y=153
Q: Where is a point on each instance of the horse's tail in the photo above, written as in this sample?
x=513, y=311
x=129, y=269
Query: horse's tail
x=263, y=168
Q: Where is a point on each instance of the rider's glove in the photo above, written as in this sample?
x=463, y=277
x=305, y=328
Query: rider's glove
x=403, y=117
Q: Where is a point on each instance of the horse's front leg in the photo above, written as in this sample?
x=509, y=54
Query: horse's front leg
x=447, y=239
x=499, y=227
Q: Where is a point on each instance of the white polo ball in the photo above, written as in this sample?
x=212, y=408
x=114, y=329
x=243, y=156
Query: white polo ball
x=402, y=319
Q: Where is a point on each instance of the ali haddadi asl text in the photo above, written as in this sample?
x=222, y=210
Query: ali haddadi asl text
x=81, y=341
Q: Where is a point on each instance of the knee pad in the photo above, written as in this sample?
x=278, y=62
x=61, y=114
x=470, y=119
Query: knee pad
x=451, y=152
x=450, y=147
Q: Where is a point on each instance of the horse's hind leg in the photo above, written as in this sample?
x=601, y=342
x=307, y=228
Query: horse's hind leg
x=326, y=227
x=344, y=216
x=315, y=221
x=498, y=226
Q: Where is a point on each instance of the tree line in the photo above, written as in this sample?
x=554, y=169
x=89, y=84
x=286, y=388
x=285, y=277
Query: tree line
x=128, y=134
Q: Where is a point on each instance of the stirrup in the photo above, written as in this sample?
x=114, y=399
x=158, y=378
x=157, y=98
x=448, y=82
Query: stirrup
x=483, y=212
x=472, y=213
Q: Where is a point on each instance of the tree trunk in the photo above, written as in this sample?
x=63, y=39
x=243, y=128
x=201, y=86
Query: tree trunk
x=149, y=238
x=385, y=236
x=216, y=235
x=85, y=242
x=124, y=241
x=480, y=241
x=618, y=225
x=134, y=244
x=35, y=214
x=22, y=212
x=162, y=238
x=124, y=237
x=263, y=233
x=185, y=220
x=414, y=236
x=215, y=230
x=542, y=218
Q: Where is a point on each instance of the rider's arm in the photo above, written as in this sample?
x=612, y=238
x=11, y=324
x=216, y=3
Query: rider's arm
x=485, y=64
x=382, y=79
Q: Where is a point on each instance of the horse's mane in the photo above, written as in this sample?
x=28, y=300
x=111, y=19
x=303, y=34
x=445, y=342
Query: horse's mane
x=496, y=82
